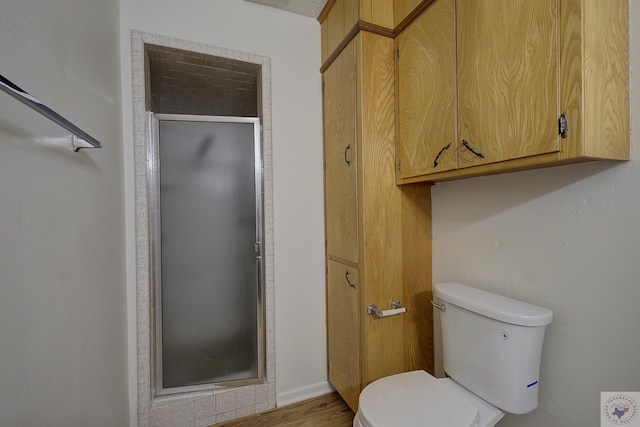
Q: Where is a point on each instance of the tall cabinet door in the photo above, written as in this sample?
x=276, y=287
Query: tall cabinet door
x=341, y=218
x=508, y=96
x=343, y=331
x=341, y=157
x=426, y=92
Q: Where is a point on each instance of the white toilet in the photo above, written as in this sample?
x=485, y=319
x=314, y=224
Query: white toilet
x=491, y=349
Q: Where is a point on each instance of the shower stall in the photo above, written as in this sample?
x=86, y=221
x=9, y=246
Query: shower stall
x=205, y=202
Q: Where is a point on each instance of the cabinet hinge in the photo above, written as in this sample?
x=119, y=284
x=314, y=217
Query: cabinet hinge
x=399, y=165
x=398, y=51
x=563, y=125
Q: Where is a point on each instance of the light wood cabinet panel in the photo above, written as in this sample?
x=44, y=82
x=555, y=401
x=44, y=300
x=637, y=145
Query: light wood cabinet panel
x=402, y=9
x=343, y=330
x=341, y=157
x=381, y=215
x=345, y=18
x=521, y=66
x=377, y=12
x=508, y=102
x=336, y=28
x=336, y=24
x=383, y=212
x=594, y=57
x=416, y=277
x=426, y=87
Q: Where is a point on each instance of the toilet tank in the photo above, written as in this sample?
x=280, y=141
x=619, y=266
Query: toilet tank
x=492, y=345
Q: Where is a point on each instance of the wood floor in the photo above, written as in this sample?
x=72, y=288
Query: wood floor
x=324, y=411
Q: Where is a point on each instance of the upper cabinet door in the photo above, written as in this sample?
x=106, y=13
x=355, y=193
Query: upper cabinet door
x=426, y=89
x=508, y=79
x=340, y=157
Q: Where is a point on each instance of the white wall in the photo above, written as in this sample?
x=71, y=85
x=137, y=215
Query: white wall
x=293, y=44
x=566, y=238
x=63, y=336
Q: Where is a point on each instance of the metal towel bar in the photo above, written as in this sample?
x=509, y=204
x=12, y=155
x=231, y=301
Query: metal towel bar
x=80, y=138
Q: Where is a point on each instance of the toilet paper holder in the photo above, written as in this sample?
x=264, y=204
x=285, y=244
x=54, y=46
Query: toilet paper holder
x=396, y=308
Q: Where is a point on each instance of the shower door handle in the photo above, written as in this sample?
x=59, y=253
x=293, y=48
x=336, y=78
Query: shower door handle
x=258, y=249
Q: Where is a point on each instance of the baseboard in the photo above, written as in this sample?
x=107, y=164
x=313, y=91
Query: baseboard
x=303, y=393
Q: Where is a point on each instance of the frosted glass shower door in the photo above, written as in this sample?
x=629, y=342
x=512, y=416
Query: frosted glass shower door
x=210, y=323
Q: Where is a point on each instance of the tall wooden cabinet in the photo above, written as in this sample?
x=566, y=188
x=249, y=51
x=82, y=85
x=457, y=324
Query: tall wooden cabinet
x=459, y=88
x=378, y=241
x=341, y=225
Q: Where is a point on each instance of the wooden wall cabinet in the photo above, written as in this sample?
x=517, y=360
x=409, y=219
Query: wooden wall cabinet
x=478, y=87
x=482, y=86
x=378, y=246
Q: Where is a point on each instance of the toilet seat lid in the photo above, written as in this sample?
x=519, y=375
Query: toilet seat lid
x=415, y=399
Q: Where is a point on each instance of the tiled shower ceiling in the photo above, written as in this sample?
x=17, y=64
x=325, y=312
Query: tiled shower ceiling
x=311, y=8
x=184, y=82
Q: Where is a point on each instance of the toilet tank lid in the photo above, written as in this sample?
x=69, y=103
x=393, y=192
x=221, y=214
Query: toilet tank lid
x=492, y=305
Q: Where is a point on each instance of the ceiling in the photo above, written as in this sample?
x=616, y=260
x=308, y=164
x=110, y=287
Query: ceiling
x=311, y=8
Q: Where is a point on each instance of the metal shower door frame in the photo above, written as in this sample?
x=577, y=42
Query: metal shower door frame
x=155, y=274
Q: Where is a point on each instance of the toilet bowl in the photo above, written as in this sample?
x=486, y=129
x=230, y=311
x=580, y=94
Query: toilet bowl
x=491, y=349
x=417, y=399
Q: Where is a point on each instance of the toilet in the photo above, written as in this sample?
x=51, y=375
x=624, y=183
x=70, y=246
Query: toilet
x=491, y=348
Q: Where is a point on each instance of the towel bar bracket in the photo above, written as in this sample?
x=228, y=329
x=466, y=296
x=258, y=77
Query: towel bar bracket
x=79, y=143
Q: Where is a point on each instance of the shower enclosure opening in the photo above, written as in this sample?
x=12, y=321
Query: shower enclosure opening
x=205, y=201
x=180, y=77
